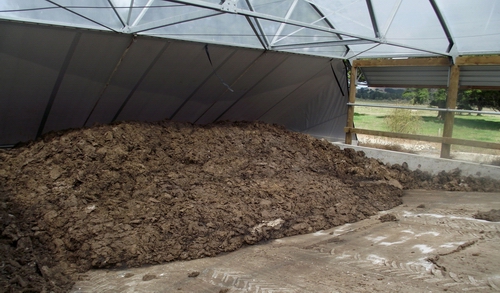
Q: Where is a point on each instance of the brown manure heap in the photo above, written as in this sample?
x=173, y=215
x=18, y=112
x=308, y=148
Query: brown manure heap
x=131, y=194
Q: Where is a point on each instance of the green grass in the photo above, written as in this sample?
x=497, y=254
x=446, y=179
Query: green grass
x=482, y=128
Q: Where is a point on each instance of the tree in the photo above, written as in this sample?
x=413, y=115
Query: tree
x=479, y=99
x=379, y=94
x=417, y=96
x=468, y=100
x=439, y=100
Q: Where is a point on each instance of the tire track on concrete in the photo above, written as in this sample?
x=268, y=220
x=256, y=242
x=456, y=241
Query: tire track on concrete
x=243, y=282
x=452, y=224
x=430, y=274
x=96, y=282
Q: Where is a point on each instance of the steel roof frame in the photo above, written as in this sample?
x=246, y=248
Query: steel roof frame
x=318, y=44
x=116, y=13
x=257, y=15
x=444, y=26
x=323, y=44
x=393, y=15
x=82, y=16
x=282, y=25
x=171, y=21
x=320, y=13
x=372, y=18
x=257, y=28
x=253, y=17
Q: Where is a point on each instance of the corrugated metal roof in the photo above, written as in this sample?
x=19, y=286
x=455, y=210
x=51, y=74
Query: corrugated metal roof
x=406, y=76
x=480, y=76
x=471, y=76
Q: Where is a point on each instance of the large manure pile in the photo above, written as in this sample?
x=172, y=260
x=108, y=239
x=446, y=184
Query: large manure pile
x=131, y=194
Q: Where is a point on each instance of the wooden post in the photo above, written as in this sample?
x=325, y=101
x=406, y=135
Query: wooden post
x=350, y=109
x=451, y=103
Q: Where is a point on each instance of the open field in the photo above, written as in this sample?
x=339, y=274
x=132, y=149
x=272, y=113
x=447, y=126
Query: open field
x=473, y=127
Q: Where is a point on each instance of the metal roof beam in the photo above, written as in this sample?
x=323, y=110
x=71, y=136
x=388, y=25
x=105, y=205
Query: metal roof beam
x=258, y=15
x=116, y=13
x=443, y=25
x=394, y=11
x=373, y=19
x=258, y=33
x=143, y=12
x=130, y=12
x=322, y=44
x=257, y=28
x=81, y=15
x=176, y=19
x=323, y=16
x=282, y=25
x=254, y=14
x=364, y=51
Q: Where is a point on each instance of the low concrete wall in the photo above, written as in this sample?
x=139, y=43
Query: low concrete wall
x=431, y=165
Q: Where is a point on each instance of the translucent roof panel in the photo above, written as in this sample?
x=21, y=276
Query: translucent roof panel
x=95, y=14
x=327, y=51
x=155, y=13
x=292, y=34
x=474, y=25
x=226, y=29
x=347, y=15
x=414, y=24
x=385, y=51
x=131, y=12
x=332, y=28
x=278, y=8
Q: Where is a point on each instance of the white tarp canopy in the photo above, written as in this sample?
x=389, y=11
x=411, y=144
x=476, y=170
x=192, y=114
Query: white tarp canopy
x=332, y=28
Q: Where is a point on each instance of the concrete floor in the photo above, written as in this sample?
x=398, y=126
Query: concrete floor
x=434, y=246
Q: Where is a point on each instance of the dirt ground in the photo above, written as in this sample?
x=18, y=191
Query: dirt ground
x=134, y=194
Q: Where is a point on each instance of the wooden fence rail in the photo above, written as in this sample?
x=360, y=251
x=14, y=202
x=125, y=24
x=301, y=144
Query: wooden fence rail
x=453, y=85
x=438, y=139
